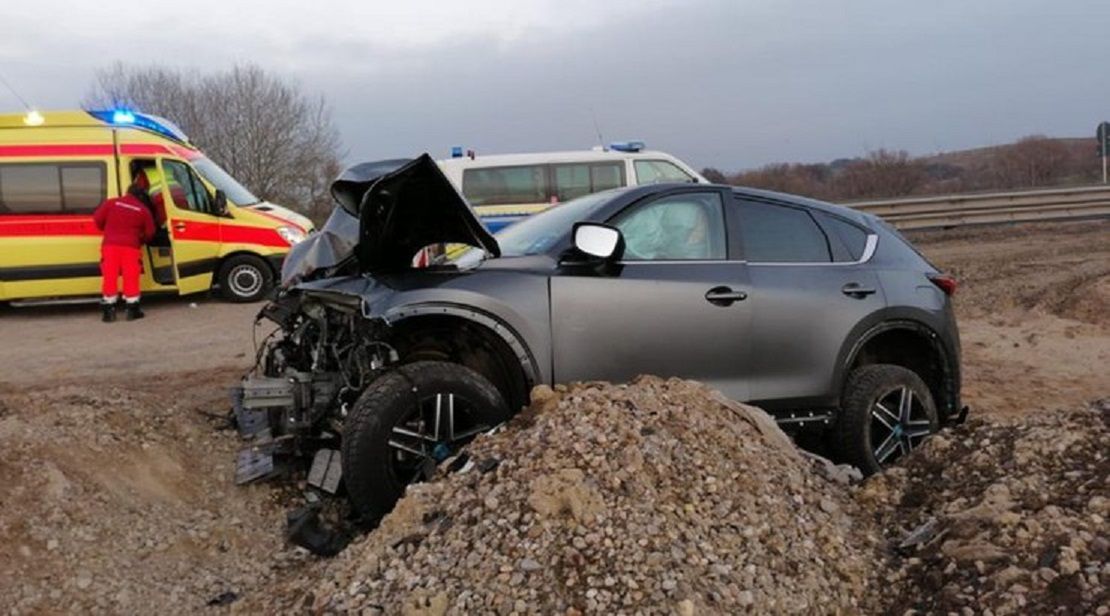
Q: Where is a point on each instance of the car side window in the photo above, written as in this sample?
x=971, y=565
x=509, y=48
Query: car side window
x=781, y=234
x=186, y=189
x=848, y=240
x=656, y=171
x=687, y=226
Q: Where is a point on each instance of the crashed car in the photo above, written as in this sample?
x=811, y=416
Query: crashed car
x=379, y=371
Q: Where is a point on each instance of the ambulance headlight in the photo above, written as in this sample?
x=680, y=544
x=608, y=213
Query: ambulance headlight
x=292, y=235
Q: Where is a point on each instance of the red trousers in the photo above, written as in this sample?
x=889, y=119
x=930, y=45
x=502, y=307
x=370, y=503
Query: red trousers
x=116, y=261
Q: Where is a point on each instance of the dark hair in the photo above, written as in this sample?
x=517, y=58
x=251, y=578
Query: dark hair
x=140, y=193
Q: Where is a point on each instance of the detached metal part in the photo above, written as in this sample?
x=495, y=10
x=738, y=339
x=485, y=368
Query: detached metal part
x=269, y=411
x=326, y=470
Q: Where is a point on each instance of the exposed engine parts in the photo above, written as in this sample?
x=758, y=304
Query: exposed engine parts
x=290, y=408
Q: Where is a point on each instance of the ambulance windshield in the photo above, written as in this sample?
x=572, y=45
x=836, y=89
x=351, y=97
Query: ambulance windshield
x=222, y=180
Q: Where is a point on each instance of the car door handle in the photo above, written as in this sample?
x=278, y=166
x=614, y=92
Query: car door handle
x=856, y=290
x=178, y=226
x=724, y=296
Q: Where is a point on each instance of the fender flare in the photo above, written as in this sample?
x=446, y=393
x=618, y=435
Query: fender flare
x=501, y=329
x=946, y=355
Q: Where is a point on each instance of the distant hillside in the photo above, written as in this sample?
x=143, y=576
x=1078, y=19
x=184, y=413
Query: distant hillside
x=1030, y=162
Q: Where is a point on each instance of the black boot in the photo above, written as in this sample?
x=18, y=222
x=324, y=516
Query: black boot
x=133, y=311
x=107, y=311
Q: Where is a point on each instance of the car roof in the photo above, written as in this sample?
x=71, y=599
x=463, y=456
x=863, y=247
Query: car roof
x=631, y=193
x=534, y=158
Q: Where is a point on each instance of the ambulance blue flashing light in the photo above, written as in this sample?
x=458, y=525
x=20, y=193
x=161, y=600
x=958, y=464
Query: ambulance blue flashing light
x=153, y=123
x=456, y=151
x=626, y=146
x=122, y=116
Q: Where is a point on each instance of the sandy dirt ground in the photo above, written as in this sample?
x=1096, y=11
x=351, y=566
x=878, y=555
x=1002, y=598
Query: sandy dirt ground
x=116, y=485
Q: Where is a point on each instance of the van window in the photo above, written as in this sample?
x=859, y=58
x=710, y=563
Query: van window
x=52, y=188
x=574, y=180
x=656, y=171
x=504, y=185
x=186, y=189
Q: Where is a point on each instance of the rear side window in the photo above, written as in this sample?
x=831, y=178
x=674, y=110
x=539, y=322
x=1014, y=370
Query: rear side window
x=505, y=185
x=781, y=234
x=656, y=171
x=578, y=179
x=848, y=241
x=51, y=188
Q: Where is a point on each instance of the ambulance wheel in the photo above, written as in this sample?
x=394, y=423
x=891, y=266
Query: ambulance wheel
x=408, y=421
x=245, y=278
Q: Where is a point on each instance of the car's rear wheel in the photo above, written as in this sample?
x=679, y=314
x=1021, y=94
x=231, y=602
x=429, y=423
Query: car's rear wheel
x=886, y=412
x=408, y=421
x=245, y=278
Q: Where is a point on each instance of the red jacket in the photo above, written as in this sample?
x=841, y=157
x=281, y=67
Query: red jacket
x=125, y=221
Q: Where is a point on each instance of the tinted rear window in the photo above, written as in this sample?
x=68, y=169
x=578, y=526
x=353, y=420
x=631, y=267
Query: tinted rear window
x=54, y=188
x=781, y=234
x=850, y=238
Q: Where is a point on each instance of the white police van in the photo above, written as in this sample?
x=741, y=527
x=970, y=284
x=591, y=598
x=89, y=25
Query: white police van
x=506, y=187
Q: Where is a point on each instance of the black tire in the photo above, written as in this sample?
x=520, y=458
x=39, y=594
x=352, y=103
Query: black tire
x=862, y=436
x=375, y=470
x=245, y=278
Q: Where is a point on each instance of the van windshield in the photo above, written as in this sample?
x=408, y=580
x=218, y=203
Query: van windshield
x=222, y=180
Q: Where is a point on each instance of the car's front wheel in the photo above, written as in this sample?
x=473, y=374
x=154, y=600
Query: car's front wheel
x=886, y=411
x=406, y=422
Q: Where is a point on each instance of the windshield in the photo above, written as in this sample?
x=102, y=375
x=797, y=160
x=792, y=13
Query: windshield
x=222, y=180
x=537, y=234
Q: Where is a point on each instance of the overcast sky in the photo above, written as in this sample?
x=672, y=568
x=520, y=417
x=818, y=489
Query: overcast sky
x=732, y=84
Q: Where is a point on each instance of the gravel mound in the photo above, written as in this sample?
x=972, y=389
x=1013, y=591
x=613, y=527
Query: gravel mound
x=657, y=497
x=1006, y=518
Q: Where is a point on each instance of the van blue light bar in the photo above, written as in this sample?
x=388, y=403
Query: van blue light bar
x=626, y=146
x=153, y=123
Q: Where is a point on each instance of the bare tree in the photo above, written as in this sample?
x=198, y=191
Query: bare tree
x=883, y=173
x=1035, y=160
x=264, y=130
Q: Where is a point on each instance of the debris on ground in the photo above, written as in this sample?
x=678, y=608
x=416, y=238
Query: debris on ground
x=1014, y=519
x=657, y=496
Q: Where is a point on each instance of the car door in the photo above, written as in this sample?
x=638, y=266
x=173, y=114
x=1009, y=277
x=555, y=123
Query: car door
x=809, y=288
x=193, y=224
x=675, y=305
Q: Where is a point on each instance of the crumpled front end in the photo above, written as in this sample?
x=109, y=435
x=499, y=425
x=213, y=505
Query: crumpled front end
x=291, y=406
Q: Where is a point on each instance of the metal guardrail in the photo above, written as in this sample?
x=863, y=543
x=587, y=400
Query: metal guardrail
x=991, y=208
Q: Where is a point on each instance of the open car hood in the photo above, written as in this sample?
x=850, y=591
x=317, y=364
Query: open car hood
x=404, y=210
x=388, y=210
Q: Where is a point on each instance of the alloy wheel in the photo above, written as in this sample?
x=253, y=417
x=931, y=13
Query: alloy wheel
x=434, y=431
x=899, y=422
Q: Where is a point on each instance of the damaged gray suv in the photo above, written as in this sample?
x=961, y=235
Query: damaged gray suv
x=379, y=371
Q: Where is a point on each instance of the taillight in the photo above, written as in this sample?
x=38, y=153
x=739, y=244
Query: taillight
x=945, y=282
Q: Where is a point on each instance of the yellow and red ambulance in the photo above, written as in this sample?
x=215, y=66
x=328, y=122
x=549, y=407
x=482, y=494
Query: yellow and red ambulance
x=56, y=167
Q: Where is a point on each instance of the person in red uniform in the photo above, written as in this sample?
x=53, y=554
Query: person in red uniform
x=127, y=224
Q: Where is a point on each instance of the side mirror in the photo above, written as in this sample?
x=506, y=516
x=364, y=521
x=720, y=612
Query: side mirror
x=599, y=241
x=221, y=203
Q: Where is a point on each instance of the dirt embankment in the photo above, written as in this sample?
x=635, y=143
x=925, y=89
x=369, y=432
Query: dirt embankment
x=1034, y=313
